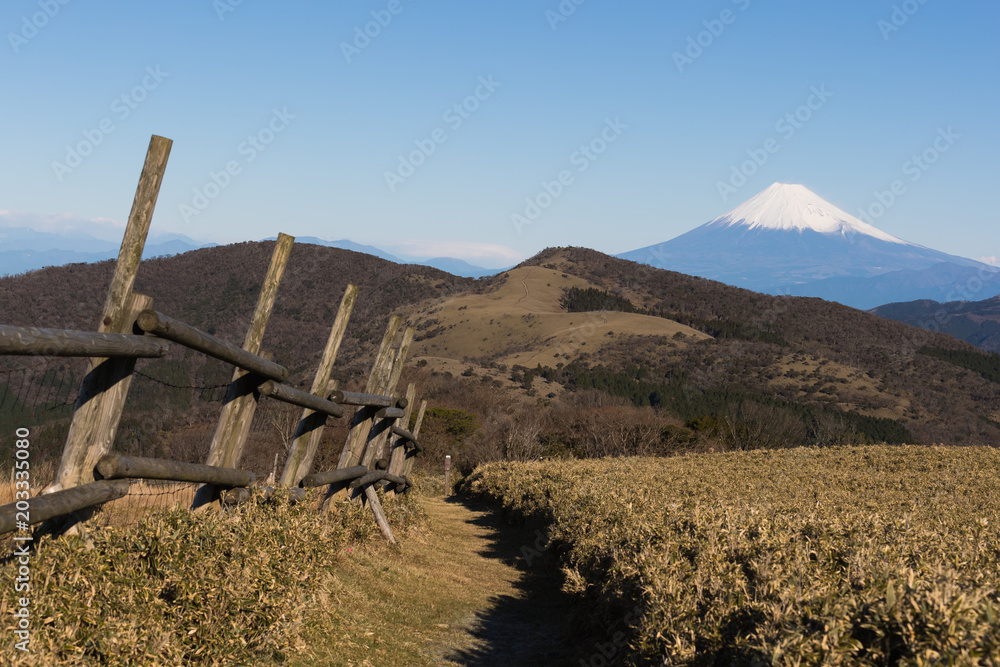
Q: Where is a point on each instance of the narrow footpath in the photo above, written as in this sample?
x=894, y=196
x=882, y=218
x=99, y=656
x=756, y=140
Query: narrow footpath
x=519, y=614
x=460, y=594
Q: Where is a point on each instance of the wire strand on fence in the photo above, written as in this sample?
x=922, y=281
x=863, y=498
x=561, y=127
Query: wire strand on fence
x=181, y=386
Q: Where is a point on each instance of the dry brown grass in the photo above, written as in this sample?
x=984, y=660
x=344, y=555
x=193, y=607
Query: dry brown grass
x=41, y=476
x=452, y=595
x=143, y=497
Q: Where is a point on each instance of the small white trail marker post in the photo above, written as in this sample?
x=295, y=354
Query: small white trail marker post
x=447, y=475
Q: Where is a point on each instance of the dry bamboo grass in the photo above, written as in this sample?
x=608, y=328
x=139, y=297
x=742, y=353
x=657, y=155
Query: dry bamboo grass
x=145, y=496
x=253, y=585
x=843, y=556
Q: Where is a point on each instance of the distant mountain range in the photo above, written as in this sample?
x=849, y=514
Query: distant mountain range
x=976, y=322
x=24, y=249
x=788, y=240
x=785, y=240
x=452, y=265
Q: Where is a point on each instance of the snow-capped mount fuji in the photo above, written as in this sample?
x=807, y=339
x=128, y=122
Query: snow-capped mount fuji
x=786, y=238
x=790, y=207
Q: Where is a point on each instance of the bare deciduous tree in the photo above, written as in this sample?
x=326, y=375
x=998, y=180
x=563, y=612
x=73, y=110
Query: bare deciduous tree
x=519, y=435
x=751, y=425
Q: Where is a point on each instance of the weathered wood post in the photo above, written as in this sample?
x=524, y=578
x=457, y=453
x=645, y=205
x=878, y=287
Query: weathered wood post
x=361, y=424
x=447, y=475
x=397, y=457
x=380, y=430
x=412, y=453
x=102, y=395
x=310, y=428
x=241, y=397
x=376, y=506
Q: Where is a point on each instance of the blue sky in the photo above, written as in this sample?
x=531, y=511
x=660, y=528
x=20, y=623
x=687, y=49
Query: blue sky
x=669, y=99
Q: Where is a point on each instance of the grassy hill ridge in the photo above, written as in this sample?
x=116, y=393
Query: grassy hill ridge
x=831, y=354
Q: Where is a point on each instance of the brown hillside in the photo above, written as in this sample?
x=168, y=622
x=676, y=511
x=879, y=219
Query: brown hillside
x=698, y=348
x=216, y=289
x=862, y=362
x=521, y=321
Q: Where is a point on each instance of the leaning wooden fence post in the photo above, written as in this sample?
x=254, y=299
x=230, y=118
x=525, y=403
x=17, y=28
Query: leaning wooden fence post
x=310, y=428
x=411, y=453
x=380, y=432
x=98, y=411
x=361, y=424
x=376, y=506
x=397, y=457
x=447, y=475
x=102, y=396
x=241, y=397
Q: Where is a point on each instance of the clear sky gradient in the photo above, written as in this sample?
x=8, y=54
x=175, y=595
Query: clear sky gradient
x=309, y=128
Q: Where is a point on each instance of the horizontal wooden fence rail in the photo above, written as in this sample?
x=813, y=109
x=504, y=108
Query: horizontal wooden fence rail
x=160, y=325
x=405, y=435
x=52, y=505
x=389, y=413
x=366, y=400
x=66, y=343
x=378, y=475
x=287, y=394
x=114, y=466
x=333, y=476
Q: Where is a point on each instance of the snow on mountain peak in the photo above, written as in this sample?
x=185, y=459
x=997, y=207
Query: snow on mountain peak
x=786, y=206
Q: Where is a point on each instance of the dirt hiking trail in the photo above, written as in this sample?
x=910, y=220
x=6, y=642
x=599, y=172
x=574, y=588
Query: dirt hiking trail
x=459, y=592
x=514, y=614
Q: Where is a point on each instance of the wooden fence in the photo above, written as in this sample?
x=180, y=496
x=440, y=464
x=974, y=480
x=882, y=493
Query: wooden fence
x=378, y=453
